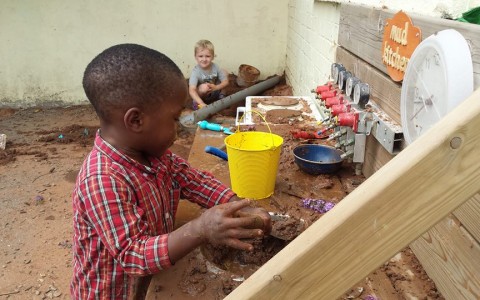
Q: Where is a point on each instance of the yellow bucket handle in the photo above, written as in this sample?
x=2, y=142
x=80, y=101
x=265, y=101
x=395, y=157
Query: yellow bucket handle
x=264, y=120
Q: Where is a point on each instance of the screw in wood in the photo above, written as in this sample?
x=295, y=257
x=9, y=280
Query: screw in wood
x=455, y=142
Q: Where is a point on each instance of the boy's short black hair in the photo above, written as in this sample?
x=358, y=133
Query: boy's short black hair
x=128, y=75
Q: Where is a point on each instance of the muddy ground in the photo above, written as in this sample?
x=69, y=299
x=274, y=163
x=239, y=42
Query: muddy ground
x=44, y=152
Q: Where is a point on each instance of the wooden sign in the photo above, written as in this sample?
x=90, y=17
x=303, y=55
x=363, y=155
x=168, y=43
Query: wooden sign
x=400, y=38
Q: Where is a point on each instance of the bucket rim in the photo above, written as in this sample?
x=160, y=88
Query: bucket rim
x=273, y=136
x=245, y=132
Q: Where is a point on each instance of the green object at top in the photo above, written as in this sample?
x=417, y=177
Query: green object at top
x=471, y=16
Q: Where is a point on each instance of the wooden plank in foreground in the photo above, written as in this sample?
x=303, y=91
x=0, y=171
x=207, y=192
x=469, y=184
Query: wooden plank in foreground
x=402, y=200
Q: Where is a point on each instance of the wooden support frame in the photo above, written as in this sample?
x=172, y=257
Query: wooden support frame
x=406, y=197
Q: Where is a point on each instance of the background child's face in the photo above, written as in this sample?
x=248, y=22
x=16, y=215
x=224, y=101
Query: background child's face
x=204, y=58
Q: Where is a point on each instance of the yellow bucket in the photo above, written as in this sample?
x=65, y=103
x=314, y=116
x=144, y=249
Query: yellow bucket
x=253, y=162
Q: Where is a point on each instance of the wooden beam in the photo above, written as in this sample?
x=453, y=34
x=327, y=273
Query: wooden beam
x=455, y=273
x=406, y=197
x=469, y=214
x=361, y=32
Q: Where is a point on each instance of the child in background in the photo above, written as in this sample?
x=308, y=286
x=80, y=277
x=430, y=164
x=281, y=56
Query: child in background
x=128, y=190
x=207, y=79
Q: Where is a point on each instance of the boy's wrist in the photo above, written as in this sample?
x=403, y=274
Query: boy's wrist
x=197, y=229
x=234, y=198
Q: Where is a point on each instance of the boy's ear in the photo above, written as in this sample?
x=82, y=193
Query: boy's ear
x=134, y=119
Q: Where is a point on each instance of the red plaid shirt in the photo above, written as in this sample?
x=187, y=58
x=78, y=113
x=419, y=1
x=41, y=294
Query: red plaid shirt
x=122, y=214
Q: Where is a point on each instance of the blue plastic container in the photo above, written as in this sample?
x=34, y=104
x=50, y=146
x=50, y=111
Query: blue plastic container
x=318, y=159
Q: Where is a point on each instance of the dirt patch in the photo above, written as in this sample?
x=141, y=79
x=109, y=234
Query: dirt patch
x=280, y=116
x=278, y=101
x=6, y=112
x=11, y=154
x=234, y=260
x=281, y=89
x=80, y=134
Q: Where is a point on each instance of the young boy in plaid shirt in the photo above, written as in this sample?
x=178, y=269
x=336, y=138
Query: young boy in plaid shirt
x=128, y=189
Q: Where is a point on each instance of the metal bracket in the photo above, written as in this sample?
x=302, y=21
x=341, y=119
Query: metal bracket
x=359, y=149
x=387, y=133
x=365, y=121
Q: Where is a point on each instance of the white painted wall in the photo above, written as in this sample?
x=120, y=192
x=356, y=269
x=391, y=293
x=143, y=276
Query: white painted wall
x=46, y=45
x=313, y=33
x=312, y=36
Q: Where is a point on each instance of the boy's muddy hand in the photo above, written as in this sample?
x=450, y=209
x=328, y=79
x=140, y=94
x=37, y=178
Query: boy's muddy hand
x=262, y=218
x=220, y=226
